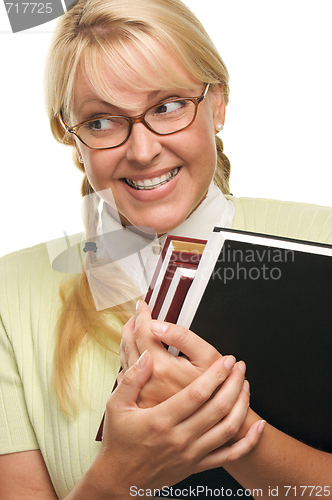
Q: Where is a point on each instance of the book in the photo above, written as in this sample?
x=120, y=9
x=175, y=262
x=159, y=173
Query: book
x=178, y=261
x=268, y=300
x=170, y=283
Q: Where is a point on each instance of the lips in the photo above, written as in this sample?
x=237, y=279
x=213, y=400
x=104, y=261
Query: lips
x=148, y=184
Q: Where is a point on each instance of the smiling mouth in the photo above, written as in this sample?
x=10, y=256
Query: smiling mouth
x=149, y=184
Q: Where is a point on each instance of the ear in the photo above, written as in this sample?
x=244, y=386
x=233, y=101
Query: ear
x=219, y=106
x=79, y=154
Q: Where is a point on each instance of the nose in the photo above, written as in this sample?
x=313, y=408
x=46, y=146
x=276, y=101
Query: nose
x=143, y=145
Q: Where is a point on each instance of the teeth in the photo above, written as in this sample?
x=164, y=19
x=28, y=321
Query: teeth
x=153, y=183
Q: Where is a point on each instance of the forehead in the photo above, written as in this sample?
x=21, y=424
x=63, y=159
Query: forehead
x=122, y=96
x=126, y=84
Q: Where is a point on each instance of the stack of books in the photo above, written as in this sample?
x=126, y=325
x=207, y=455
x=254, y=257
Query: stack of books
x=266, y=300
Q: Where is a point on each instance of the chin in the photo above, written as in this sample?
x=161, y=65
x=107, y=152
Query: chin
x=158, y=226
x=161, y=219
x=160, y=229
x=169, y=225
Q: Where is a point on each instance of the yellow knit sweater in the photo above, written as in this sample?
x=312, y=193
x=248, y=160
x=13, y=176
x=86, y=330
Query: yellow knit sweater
x=29, y=306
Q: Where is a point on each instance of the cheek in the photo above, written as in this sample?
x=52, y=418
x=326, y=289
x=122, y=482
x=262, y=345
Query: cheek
x=98, y=168
x=204, y=136
x=203, y=152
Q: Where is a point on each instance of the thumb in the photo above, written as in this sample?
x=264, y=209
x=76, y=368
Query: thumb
x=194, y=347
x=132, y=381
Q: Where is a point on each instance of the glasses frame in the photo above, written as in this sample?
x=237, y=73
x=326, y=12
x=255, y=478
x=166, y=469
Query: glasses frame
x=135, y=119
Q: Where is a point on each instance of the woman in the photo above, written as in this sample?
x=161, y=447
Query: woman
x=87, y=339
x=102, y=68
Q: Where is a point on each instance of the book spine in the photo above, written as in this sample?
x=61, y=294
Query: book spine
x=204, y=271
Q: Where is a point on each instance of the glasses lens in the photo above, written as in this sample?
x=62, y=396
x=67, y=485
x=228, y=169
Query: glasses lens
x=104, y=132
x=171, y=116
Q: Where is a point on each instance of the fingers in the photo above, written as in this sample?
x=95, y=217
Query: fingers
x=235, y=451
x=130, y=384
x=190, y=399
x=136, y=337
x=194, y=347
x=195, y=422
x=230, y=421
x=142, y=333
x=128, y=351
x=119, y=377
x=223, y=415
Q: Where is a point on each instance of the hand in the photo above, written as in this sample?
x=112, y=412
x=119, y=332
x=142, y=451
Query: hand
x=170, y=374
x=159, y=446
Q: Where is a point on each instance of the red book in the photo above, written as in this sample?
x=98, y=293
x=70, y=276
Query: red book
x=178, y=252
x=170, y=283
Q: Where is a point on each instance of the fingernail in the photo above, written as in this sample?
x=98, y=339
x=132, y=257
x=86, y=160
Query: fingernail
x=158, y=326
x=141, y=362
x=261, y=426
x=229, y=362
x=246, y=386
x=242, y=366
x=139, y=304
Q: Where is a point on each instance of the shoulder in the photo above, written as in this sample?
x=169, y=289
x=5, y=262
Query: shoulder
x=62, y=255
x=283, y=218
x=30, y=278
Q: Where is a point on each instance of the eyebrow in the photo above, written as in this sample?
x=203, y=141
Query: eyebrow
x=89, y=99
x=151, y=94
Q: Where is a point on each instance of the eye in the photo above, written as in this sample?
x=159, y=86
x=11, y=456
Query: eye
x=99, y=124
x=104, y=125
x=170, y=107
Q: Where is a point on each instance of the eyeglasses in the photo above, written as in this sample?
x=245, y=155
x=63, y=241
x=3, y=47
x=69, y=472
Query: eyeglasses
x=165, y=118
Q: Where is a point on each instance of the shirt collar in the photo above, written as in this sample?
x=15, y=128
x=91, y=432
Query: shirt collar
x=137, y=252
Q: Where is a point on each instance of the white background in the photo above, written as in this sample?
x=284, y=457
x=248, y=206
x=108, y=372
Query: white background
x=278, y=129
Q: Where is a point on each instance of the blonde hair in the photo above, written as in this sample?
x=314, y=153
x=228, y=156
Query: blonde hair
x=127, y=37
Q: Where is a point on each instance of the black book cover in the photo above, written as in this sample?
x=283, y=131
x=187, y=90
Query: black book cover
x=272, y=308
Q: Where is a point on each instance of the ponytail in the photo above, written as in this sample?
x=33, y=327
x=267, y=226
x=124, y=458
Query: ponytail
x=223, y=170
x=86, y=315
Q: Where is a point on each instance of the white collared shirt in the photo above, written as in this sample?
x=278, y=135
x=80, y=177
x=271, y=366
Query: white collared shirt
x=137, y=253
